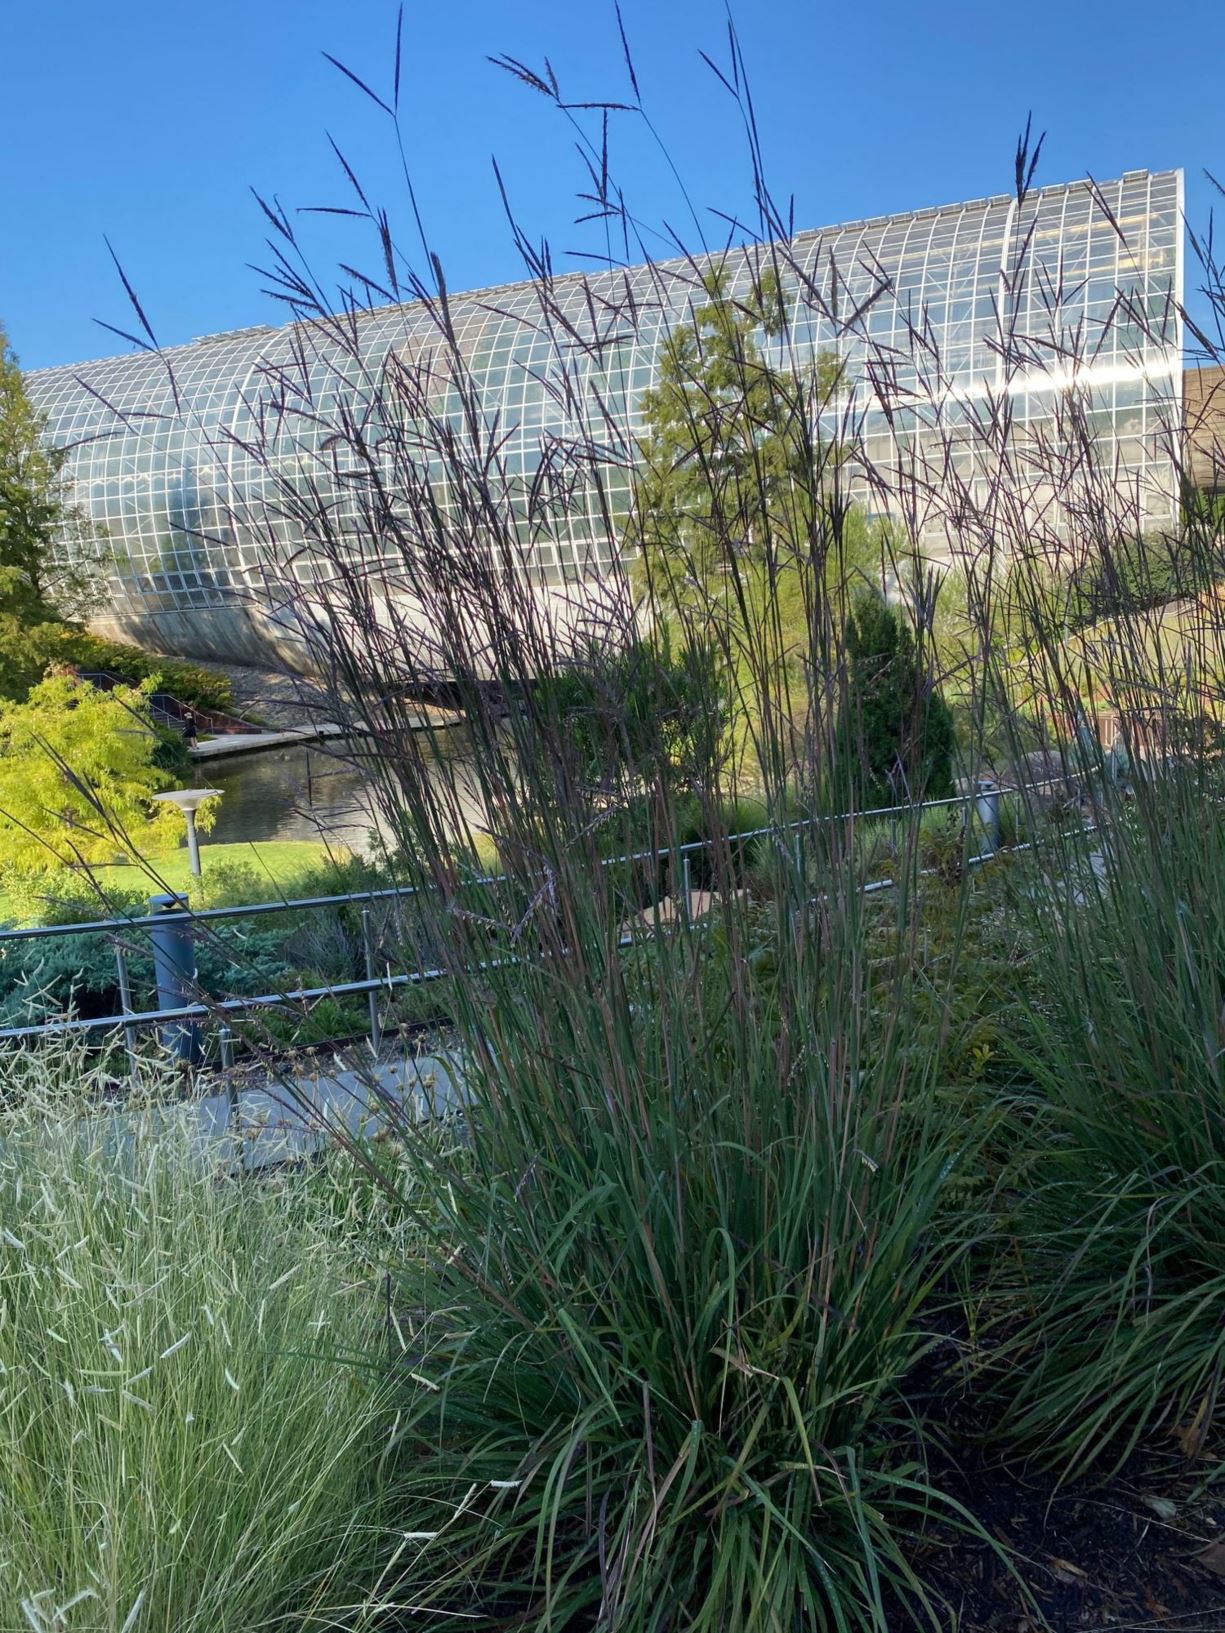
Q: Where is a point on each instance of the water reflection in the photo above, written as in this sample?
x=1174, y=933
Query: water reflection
x=308, y=793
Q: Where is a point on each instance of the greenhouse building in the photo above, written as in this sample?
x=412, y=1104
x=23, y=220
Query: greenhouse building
x=184, y=456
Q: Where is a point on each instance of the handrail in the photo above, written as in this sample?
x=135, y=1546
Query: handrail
x=200, y=1011
x=344, y=989
x=196, y=915
x=299, y=904
x=129, y=1020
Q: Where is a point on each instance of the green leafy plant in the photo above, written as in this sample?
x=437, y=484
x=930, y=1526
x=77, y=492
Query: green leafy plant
x=78, y=773
x=656, y=704
x=42, y=979
x=32, y=649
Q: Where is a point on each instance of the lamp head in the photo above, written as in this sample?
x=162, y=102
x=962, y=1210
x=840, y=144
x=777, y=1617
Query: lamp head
x=188, y=799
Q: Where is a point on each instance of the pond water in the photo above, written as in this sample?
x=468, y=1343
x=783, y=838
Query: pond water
x=318, y=792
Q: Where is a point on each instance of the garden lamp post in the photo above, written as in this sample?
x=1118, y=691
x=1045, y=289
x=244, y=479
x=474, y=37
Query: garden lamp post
x=189, y=801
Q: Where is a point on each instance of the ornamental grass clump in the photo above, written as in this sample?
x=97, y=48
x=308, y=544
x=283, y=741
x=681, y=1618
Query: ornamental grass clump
x=662, y=1332
x=1108, y=1285
x=1112, y=1275
x=182, y=1444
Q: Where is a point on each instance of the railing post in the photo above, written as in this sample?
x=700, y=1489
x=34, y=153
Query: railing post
x=686, y=902
x=987, y=808
x=174, y=964
x=125, y=998
x=376, y=1030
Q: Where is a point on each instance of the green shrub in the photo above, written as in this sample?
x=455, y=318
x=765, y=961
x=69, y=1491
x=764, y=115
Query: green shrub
x=302, y=1025
x=43, y=979
x=634, y=710
x=1132, y=575
x=895, y=732
x=643, y=851
x=712, y=828
x=239, y=882
x=26, y=651
x=71, y=897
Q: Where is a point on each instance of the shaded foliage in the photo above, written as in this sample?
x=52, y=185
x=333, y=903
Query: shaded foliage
x=895, y=732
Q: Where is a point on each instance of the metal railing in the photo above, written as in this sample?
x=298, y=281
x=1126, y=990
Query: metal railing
x=171, y=926
x=170, y=711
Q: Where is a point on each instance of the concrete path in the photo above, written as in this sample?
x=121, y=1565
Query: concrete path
x=251, y=742
x=273, y=1123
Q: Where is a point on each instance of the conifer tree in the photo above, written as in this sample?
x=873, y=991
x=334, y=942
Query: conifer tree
x=895, y=732
x=52, y=555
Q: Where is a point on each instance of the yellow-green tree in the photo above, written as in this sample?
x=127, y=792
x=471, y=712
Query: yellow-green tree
x=78, y=772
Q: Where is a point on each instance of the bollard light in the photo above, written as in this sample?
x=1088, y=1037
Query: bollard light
x=189, y=801
x=987, y=807
x=174, y=968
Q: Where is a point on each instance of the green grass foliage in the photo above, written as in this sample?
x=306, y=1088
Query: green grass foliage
x=1117, y=1198
x=184, y=1445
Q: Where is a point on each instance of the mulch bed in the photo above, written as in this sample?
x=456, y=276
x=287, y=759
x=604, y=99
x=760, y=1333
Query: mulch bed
x=1144, y=1550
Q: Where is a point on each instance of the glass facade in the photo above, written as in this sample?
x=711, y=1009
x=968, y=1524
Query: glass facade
x=934, y=314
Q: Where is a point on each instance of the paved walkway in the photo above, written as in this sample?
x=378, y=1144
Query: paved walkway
x=277, y=698
x=250, y=742
x=274, y=1123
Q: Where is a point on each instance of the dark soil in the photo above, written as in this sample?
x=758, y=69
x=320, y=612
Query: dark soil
x=1145, y=1550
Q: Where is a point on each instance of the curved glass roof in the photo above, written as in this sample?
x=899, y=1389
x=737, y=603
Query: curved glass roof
x=163, y=445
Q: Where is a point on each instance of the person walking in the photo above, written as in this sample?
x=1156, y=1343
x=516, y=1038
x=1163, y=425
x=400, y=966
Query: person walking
x=189, y=729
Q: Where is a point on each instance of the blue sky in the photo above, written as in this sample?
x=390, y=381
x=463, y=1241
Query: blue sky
x=148, y=121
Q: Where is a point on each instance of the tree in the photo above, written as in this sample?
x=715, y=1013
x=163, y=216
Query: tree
x=895, y=731
x=31, y=490
x=742, y=532
x=51, y=553
x=731, y=464
x=77, y=778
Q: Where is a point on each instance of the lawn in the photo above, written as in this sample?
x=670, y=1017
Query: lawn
x=275, y=864
x=232, y=874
